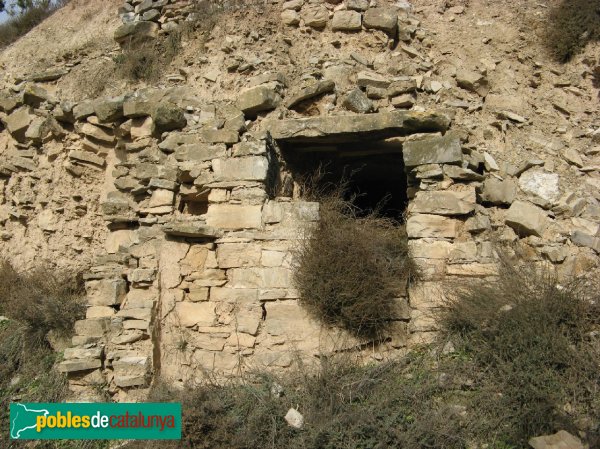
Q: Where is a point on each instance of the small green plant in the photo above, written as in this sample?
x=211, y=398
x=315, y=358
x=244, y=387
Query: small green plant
x=147, y=61
x=571, y=25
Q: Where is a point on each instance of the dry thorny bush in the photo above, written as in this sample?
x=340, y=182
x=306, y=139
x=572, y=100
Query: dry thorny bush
x=571, y=25
x=352, y=264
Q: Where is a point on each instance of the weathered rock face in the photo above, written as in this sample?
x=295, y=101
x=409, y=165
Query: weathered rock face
x=136, y=32
x=444, y=202
x=526, y=218
x=542, y=187
x=385, y=19
x=257, y=99
x=168, y=117
x=497, y=192
x=434, y=150
x=346, y=21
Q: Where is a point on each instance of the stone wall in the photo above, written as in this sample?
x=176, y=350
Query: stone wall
x=199, y=212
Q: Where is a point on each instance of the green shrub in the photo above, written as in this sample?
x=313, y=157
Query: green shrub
x=349, y=268
x=571, y=25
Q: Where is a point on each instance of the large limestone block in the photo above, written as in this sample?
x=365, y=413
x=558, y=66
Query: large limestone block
x=215, y=362
x=526, y=219
x=228, y=294
x=131, y=371
x=191, y=228
x=385, y=19
x=349, y=128
x=199, y=152
x=315, y=16
x=241, y=169
x=437, y=249
x=106, y=292
x=18, y=122
x=312, y=90
x=191, y=314
x=497, y=192
x=346, y=21
x=96, y=132
x=234, y=216
x=473, y=269
x=235, y=255
x=258, y=99
x=83, y=353
x=161, y=197
x=426, y=295
x=433, y=150
x=559, y=440
x=75, y=365
x=109, y=109
x=445, y=202
x=136, y=32
x=423, y=226
x=272, y=277
x=542, y=186
x=289, y=320
x=120, y=239
x=138, y=106
x=136, y=313
x=99, y=312
x=92, y=327
x=209, y=342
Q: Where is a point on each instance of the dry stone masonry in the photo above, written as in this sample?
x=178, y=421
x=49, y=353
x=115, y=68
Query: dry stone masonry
x=197, y=200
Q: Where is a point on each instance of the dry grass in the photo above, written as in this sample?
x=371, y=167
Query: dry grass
x=536, y=346
x=36, y=302
x=41, y=299
x=345, y=406
x=147, y=61
x=21, y=24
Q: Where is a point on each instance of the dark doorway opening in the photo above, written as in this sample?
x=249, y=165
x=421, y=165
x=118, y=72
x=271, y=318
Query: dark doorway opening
x=373, y=172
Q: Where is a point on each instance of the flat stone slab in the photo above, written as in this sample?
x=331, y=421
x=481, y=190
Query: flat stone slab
x=433, y=150
x=350, y=128
x=193, y=229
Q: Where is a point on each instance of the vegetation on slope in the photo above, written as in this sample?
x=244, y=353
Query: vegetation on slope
x=30, y=13
x=39, y=304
